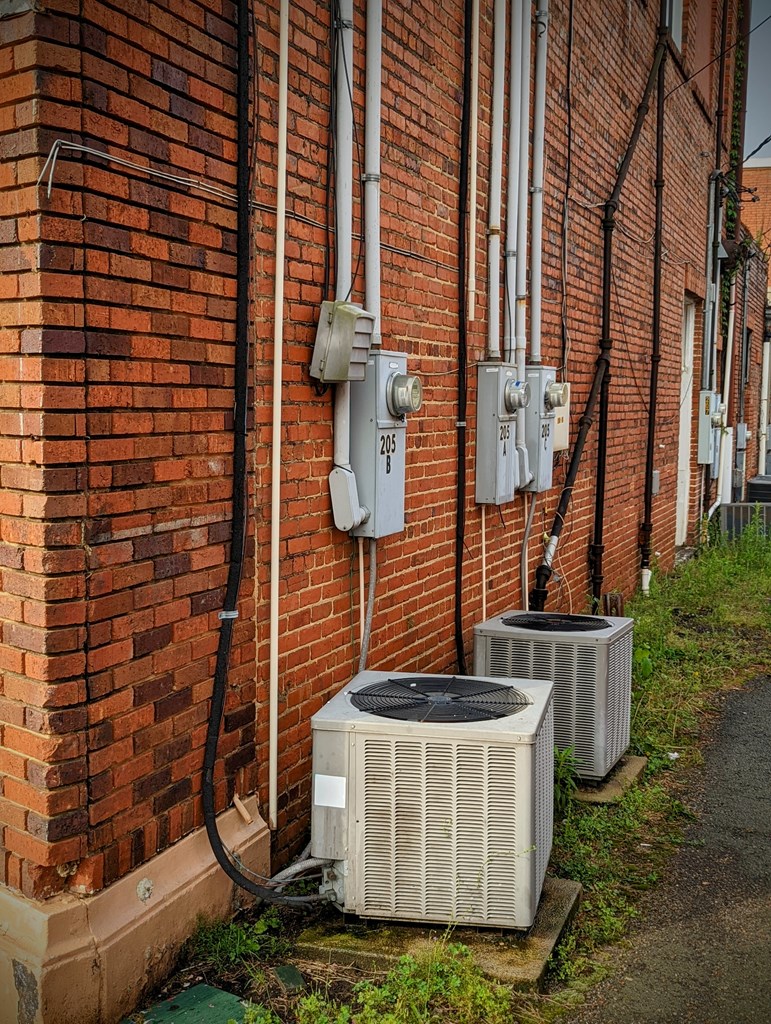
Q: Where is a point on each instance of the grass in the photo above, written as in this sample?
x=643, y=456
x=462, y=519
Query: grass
x=705, y=628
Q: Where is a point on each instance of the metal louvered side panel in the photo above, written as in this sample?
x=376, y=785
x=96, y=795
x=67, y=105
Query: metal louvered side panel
x=378, y=771
x=564, y=698
x=544, y=797
x=441, y=787
x=510, y=659
x=409, y=835
x=619, y=699
x=439, y=835
x=501, y=870
x=585, y=740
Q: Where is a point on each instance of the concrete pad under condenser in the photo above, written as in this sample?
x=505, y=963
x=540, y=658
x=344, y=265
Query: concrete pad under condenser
x=627, y=772
x=513, y=958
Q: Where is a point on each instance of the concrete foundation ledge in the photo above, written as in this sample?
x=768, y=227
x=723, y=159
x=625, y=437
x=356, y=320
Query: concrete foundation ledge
x=513, y=958
x=90, y=959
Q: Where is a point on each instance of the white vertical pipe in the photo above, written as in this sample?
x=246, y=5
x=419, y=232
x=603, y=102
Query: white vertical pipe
x=471, y=284
x=278, y=351
x=495, y=190
x=729, y=358
x=343, y=211
x=512, y=193
x=361, y=589
x=484, y=563
x=539, y=130
x=374, y=74
x=764, y=387
x=374, y=62
x=524, y=159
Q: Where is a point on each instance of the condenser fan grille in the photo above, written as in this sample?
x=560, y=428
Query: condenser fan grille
x=557, y=623
x=449, y=699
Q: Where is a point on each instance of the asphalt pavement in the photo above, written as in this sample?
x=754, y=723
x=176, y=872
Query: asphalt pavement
x=700, y=953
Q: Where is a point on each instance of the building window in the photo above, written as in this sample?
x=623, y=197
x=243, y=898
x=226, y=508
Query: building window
x=675, y=18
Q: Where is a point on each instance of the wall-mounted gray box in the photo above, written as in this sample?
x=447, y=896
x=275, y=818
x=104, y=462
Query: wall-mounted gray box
x=709, y=409
x=378, y=442
x=539, y=427
x=343, y=339
x=497, y=465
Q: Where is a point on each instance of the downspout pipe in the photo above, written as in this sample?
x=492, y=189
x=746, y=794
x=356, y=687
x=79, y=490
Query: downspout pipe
x=496, y=183
x=597, y=547
x=463, y=181
x=536, y=211
x=646, y=527
x=229, y=614
x=599, y=388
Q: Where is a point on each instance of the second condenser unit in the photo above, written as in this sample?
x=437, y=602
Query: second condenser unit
x=433, y=795
x=589, y=660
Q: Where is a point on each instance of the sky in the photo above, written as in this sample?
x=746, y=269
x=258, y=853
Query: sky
x=758, y=124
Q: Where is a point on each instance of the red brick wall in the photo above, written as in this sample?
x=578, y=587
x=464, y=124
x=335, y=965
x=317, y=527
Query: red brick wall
x=756, y=215
x=117, y=360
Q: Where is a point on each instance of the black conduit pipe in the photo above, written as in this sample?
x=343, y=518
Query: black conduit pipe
x=599, y=388
x=646, y=527
x=229, y=613
x=460, y=521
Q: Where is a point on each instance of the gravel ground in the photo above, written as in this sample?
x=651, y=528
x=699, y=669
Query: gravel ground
x=700, y=953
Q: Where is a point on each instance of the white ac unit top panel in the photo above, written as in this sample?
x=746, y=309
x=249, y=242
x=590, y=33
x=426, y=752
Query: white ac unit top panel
x=340, y=713
x=617, y=626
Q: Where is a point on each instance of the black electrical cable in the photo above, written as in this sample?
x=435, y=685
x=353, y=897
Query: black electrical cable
x=599, y=388
x=646, y=527
x=463, y=183
x=238, y=540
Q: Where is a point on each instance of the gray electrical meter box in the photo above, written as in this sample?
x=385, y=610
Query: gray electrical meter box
x=546, y=395
x=379, y=405
x=499, y=395
x=709, y=422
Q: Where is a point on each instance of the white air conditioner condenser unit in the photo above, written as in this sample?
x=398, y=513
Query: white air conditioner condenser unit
x=433, y=797
x=589, y=659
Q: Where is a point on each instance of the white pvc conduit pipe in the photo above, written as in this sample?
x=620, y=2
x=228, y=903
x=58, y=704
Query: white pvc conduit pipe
x=765, y=380
x=496, y=175
x=372, y=131
x=484, y=563
x=536, y=213
x=522, y=197
x=729, y=358
x=374, y=73
x=471, y=277
x=343, y=212
x=512, y=199
x=278, y=354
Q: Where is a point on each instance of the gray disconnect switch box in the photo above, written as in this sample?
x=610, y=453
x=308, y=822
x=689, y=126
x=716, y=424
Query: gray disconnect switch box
x=343, y=337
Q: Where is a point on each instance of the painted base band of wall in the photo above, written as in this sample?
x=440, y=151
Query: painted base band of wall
x=89, y=959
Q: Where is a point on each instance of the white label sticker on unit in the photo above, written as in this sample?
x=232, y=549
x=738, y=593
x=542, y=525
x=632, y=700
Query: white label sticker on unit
x=329, y=790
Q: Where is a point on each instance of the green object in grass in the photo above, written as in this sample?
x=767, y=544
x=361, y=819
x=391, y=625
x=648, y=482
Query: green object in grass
x=200, y=1004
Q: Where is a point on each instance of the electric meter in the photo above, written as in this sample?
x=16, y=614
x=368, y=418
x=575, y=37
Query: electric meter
x=404, y=393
